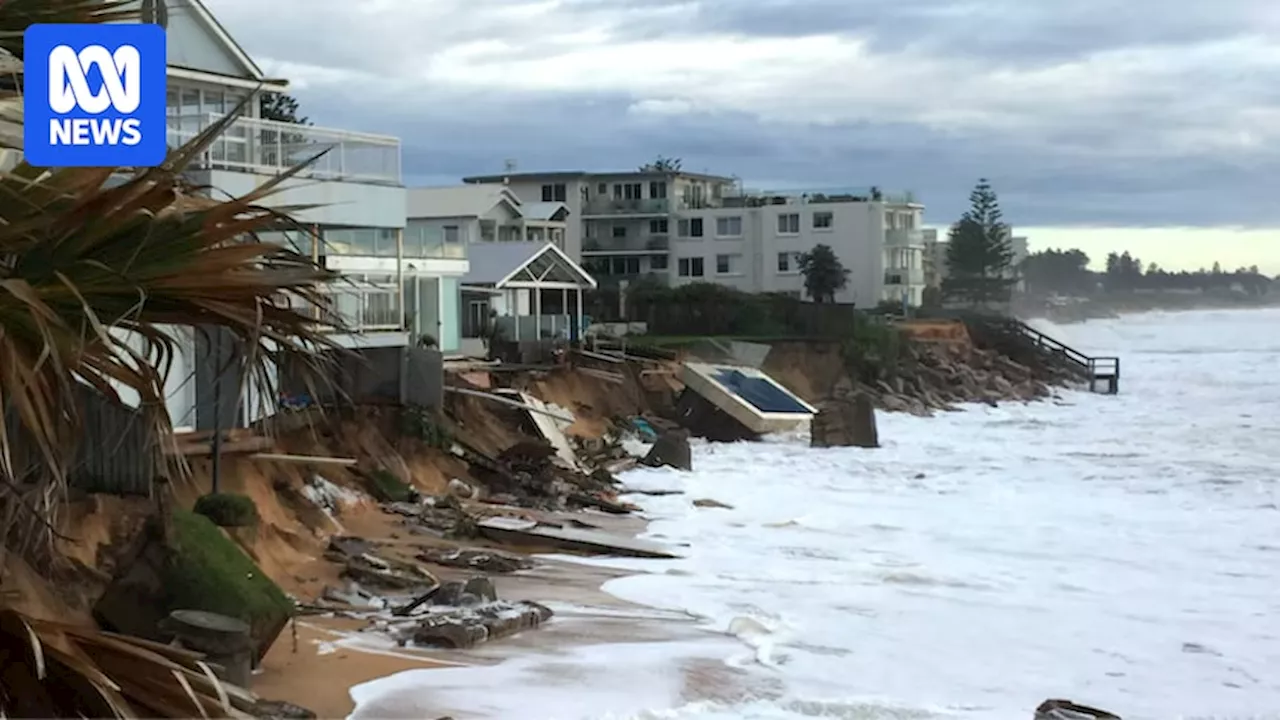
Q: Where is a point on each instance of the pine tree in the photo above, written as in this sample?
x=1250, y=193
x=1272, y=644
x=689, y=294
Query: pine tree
x=824, y=274
x=979, y=252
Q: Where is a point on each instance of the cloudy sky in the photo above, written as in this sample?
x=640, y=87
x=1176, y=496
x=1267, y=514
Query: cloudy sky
x=1102, y=123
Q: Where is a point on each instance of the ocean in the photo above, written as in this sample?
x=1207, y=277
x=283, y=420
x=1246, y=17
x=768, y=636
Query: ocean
x=1121, y=551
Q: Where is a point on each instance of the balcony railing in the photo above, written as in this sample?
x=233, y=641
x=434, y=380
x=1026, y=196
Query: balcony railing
x=611, y=206
x=647, y=245
x=360, y=306
x=903, y=276
x=270, y=147
x=904, y=238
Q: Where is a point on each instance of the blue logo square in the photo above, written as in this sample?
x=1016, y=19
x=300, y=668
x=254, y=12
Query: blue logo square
x=94, y=95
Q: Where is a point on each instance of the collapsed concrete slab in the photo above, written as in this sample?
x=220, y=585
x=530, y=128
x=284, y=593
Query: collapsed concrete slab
x=529, y=534
x=733, y=402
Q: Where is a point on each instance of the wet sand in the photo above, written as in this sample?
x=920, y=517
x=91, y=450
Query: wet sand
x=332, y=654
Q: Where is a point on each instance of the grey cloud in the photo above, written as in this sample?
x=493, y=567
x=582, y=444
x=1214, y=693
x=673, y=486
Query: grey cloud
x=1094, y=166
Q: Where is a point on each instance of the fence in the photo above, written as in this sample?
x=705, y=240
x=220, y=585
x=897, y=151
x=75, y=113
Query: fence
x=114, y=453
x=370, y=376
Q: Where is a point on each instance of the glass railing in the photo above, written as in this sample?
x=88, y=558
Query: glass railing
x=904, y=237
x=611, y=206
x=269, y=147
x=635, y=246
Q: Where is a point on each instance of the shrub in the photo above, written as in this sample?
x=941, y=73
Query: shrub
x=386, y=487
x=228, y=509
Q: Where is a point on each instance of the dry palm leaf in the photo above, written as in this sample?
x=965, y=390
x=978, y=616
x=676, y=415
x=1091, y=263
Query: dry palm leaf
x=55, y=670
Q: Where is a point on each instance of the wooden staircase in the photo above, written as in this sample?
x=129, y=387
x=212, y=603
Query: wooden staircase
x=1102, y=373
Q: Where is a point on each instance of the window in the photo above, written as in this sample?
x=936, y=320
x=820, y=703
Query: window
x=619, y=231
x=657, y=262
x=789, y=224
x=729, y=226
x=785, y=264
x=690, y=228
x=554, y=193
x=690, y=267
x=657, y=190
x=626, y=191
x=823, y=220
x=728, y=264
x=658, y=227
x=602, y=189
x=625, y=266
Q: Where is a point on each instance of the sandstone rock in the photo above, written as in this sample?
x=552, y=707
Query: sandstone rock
x=671, y=450
x=845, y=423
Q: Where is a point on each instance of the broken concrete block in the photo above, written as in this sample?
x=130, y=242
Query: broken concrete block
x=845, y=422
x=671, y=450
x=481, y=587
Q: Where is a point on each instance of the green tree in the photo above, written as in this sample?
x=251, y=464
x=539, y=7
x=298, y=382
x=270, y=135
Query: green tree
x=824, y=275
x=979, y=253
x=663, y=164
x=280, y=108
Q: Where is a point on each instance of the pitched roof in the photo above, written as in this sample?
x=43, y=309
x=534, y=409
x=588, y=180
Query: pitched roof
x=459, y=201
x=494, y=263
x=544, y=210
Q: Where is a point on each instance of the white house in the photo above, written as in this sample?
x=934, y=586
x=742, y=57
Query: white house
x=486, y=213
x=397, y=288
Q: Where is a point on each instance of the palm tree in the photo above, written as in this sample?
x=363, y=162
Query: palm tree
x=95, y=265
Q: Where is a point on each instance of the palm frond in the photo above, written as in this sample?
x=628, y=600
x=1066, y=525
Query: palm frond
x=58, y=670
x=92, y=273
x=17, y=15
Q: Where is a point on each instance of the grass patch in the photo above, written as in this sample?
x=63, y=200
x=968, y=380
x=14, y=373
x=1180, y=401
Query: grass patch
x=209, y=572
x=228, y=509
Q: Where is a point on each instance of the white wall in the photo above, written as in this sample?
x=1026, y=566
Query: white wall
x=531, y=191
x=856, y=234
x=179, y=385
x=339, y=203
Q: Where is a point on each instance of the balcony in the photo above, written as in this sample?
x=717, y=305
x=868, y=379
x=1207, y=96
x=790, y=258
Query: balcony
x=270, y=147
x=647, y=245
x=901, y=276
x=360, y=306
x=616, y=207
x=904, y=238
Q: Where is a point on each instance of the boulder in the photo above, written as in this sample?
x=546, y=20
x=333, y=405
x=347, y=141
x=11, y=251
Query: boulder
x=671, y=450
x=845, y=423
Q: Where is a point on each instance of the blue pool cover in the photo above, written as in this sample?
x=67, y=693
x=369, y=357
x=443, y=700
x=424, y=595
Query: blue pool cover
x=764, y=395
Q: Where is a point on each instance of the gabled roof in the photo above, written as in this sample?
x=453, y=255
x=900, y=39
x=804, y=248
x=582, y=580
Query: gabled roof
x=498, y=263
x=206, y=18
x=547, y=211
x=460, y=201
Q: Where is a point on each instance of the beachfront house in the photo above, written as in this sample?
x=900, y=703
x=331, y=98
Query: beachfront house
x=520, y=292
x=358, y=210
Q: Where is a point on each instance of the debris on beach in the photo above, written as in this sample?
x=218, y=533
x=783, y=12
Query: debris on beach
x=670, y=450
x=361, y=565
x=490, y=561
x=1067, y=710
x=527, y=533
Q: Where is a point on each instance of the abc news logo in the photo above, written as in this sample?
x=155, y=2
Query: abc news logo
x=121, y=90
x=95, y=95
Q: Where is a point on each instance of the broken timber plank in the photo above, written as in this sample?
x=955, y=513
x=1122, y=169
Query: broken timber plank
x=524, y=532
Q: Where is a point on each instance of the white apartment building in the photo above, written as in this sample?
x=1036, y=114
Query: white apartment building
x=621, y=221
x=753, y=241
x=354, y=195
